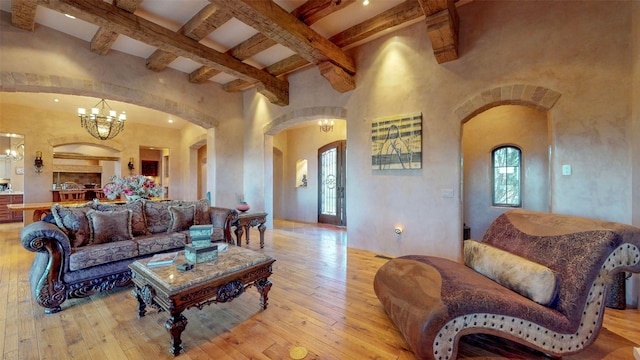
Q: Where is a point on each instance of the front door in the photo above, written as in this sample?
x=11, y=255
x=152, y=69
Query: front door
x=331, y=183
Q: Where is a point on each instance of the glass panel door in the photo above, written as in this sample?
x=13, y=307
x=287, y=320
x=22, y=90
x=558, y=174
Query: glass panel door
x=331, y=180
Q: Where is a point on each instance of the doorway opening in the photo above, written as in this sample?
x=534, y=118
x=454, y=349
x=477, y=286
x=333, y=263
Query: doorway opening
x=332, y=183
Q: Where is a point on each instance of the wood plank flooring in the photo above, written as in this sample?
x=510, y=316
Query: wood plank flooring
x=322, y=299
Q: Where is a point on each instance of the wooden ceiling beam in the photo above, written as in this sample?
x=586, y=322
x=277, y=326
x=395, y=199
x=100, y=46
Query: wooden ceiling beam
x=277, y=24
x=442, y=27
x=23, y=14
x=309, y=12
x=407, y=11
x=104, y=14
x=104, y=38
x=197, y=28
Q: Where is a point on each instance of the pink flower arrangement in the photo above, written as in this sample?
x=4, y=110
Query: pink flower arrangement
x=134, y=185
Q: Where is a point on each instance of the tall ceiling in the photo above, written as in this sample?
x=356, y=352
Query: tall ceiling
x=241, y=43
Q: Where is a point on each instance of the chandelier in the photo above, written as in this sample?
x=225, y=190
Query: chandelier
x=326, y=125
x=102, y=123
x=15, y=155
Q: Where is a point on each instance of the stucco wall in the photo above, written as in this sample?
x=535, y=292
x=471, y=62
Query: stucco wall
x=578, y=49
x=515, y=125
x=301, y=203
x=52, y=62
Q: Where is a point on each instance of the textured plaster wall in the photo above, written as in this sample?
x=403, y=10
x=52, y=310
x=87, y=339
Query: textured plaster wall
x=516, y=125
x=48, y=61
x=63, y=128
x=635, y=109
x=578, y=49
x=301, y=203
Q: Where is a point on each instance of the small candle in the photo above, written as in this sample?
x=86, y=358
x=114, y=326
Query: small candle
x=38, y=154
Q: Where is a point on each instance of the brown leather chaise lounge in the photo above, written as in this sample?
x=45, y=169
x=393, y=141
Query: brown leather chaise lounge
x=538, y=279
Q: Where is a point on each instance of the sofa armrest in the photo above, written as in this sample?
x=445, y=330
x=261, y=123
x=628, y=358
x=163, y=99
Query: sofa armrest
x=50, y=264
x=35, y=236
x=223, y=218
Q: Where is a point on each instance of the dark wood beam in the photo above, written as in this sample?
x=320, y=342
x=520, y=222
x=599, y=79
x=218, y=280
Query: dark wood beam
x=309, y=12
x=104, y=38
x=197, y=28
x=23, y=14
x=104, y=14
x=277, y=24
x=407, y=11
x=442, y=27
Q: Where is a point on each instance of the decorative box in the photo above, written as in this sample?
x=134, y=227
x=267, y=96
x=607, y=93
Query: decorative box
x=200, y=242
x=201, y=231
x=199, y=255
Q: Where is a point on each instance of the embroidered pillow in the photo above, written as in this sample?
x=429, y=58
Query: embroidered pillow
x=182, y=217
x=532, y=280
x=157, y=215
x=110, y=226
x=138, y=222
x=73, y=221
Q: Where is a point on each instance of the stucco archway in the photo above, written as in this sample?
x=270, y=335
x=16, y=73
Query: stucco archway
x=282, y=123
x=496, y=121
x=54, y=84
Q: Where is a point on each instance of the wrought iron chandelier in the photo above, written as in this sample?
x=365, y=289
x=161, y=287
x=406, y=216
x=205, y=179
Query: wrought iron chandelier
x=102, y=123
x=326, y=125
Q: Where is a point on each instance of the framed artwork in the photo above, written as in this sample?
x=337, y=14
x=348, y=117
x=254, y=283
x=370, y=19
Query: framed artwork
x=396, y=142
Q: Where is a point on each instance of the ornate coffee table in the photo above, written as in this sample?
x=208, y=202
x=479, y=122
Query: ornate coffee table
x=220, y=280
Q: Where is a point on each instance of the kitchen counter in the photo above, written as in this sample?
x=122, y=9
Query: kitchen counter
x=11, y=193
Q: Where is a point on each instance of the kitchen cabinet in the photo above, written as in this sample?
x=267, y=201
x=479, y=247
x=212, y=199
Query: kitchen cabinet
x=6, y=215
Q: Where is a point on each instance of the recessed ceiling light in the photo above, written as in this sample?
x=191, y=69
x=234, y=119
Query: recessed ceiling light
x=56, y=100
x=170, y=121
x=70, y=16
x=365, y=2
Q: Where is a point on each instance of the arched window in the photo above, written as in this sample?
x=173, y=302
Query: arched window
x=507, y=180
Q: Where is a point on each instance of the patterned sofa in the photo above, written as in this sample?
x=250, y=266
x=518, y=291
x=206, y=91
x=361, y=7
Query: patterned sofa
x=538, y=279
x=86, y=249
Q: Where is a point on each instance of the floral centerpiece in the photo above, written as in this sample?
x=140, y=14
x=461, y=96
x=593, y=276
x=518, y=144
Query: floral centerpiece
x=134, y=186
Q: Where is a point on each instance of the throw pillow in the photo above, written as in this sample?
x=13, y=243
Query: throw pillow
x=182, y=217
x=202, y=216
x=138, y=223
x=157, y=215
x=109, y=226
x=73, y=221
x=532, y=280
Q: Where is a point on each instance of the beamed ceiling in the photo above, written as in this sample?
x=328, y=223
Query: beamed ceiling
x=243, y=43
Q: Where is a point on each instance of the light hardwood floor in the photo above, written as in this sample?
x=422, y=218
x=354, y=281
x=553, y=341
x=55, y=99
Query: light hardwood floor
x=322, y=299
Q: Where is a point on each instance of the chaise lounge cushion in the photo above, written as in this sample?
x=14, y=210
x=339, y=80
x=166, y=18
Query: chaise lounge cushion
x=527, y=278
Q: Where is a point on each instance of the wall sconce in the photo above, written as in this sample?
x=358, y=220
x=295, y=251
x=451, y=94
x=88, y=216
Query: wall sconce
x=130, y=165
x=37, y=163
x=326, y=125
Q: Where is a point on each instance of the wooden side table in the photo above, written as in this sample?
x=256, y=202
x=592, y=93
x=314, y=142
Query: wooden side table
x=250, y=219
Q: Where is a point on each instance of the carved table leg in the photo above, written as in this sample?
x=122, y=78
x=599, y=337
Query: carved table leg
x=175, y=325
x=263, y=286
x=239, y=232
x=246, y=229
x=262, y=227
x=142, y=306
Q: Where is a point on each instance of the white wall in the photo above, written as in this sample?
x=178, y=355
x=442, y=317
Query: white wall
x=579, y=49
